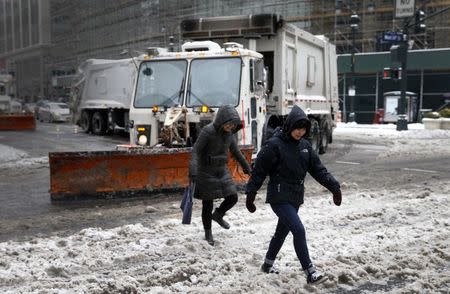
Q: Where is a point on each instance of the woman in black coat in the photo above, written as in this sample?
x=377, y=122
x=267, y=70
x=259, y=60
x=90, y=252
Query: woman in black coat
x=208, y=167
x=286, y=158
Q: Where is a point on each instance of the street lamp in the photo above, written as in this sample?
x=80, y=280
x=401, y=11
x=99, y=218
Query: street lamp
x=354, y=25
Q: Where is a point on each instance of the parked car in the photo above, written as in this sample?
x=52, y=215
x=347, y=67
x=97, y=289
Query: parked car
x=29, y=107
x=38, y=105
x=53, y=112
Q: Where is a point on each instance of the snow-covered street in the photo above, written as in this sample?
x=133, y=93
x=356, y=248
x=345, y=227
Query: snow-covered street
x=394, y=239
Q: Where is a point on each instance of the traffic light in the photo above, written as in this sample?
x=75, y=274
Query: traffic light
x=419, y=25
x=354, y=21
x=392, y=73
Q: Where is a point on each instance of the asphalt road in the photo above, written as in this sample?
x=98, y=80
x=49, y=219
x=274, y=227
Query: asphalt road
x=26, y=209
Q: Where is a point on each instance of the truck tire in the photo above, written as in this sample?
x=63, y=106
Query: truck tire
x=85, y=122
x=324, y=138
x=98, y=124
x=314, y=136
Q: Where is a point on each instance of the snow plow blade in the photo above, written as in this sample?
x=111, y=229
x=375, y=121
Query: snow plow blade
x=17, y=122
x=124, y=173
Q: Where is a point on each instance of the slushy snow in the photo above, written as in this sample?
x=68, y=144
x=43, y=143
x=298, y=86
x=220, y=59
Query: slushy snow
x=394, y=240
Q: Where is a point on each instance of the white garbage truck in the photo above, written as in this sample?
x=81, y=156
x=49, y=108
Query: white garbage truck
x=102, y=93
x=277, y=66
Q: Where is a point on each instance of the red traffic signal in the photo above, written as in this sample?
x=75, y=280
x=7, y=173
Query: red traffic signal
x=392, y=73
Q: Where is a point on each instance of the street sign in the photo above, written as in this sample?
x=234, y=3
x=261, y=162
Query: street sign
x=394, y=37
x=404, y=8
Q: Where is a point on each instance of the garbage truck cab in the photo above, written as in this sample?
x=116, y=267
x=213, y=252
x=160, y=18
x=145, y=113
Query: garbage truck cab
x=177, y=93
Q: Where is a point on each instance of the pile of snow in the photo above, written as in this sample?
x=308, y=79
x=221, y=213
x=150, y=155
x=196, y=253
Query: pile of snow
x=374, y=237
x=9, y=154
x=415, y=141
x=12, y=158
x=391, y=240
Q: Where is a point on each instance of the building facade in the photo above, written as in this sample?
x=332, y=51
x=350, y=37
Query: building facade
x=42, y=42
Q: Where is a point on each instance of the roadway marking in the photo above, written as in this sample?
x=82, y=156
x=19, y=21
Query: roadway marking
x=348, y=162
x=419, y=170
x=373, y=151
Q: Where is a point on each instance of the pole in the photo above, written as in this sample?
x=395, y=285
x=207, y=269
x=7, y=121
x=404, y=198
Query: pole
x=344, y=114
x=402, y=122
x=352, y=82
x=376, y=92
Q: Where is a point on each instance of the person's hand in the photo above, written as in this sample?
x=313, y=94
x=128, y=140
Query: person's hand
x=337, y=197
x=247, y=171
x=249, y=202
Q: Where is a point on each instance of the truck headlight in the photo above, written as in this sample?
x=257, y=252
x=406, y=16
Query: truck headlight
x=142, y=140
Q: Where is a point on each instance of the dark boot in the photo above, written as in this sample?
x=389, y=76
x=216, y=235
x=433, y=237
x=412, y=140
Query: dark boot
x=209, y=237
x=269, y=269
x=218, y=218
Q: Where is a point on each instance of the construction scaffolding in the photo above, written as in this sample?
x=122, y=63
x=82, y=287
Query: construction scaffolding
x=83, y=29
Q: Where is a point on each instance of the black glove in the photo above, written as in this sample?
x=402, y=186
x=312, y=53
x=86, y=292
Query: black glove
x=337, y=197
x=249, y=202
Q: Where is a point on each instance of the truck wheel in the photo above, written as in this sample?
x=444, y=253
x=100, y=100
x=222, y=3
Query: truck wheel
x=85, y=122
x=324, y=134
x=314, y=136
x=98, y=124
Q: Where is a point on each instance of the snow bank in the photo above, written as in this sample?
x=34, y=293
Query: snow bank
x=12, y=158
x=415, y=142
x=8, y=154
x=373, y=237
x=389, y=241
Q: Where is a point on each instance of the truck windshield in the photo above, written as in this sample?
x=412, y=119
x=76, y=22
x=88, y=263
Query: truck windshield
x=160, y=83
x=214, y=82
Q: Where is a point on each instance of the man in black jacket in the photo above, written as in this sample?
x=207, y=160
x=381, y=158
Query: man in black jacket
x=208, y=167
x=286, y=158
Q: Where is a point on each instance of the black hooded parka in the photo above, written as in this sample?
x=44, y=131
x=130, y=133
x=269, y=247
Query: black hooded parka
x=287, y=161
x=210, y=156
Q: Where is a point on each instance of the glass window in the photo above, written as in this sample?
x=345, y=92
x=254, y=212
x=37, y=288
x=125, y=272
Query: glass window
x=311, y=71
x=253, y=107
x=255, y=134
x=16, y=16
x=160, y=83
x=214, y=82
x=34, y=22
x=25, y=24
x=290, y=65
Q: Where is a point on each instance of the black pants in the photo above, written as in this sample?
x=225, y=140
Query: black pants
x=288, y=221
x=207, y=208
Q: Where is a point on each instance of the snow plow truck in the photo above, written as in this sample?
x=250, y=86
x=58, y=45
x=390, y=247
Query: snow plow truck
x=178, y=93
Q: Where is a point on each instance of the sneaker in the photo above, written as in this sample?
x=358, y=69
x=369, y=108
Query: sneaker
x=218, y=217
x=269, y=269
x=313, y=276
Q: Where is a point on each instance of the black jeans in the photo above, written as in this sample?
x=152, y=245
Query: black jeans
x=207, y=208
x=288, y=221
